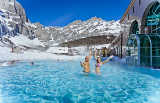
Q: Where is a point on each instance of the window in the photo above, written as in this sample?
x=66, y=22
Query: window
x=128, y=16
x=133, y=9
x=140, y=3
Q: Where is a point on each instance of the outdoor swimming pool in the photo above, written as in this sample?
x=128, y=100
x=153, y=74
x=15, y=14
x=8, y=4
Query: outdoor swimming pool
x=64, y=82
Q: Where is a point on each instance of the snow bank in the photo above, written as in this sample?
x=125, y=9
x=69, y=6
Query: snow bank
x=57, y=50
x=6, y=55
x=53, y=53
x=22, y=40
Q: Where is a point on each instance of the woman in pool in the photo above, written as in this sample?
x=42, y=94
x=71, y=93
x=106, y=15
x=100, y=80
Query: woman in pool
x=99, y=63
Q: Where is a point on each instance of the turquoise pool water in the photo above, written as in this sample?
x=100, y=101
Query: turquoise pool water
x=64, y=82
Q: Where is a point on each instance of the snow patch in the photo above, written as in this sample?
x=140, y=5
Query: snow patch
x=22, y=40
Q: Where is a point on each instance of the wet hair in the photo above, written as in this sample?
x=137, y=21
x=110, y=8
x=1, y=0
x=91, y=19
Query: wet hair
x=86, y=57
x=97, y=59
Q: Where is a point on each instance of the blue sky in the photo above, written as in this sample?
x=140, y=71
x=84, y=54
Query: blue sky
x=63, y=12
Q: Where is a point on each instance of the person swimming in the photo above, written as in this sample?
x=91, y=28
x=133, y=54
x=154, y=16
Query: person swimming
x=32, y=63
x=99, y=63
x=86, y=63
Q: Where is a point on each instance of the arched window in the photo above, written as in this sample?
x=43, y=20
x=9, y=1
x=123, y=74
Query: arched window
x=151, y=18
x=143, y=50
x=134, y=29
x=132, y=50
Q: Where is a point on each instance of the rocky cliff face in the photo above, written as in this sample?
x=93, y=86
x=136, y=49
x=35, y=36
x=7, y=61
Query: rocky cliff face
x=7, y=4
x=14, y=17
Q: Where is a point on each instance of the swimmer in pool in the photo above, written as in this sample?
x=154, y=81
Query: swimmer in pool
x=32, y=63
x=86, y=63
x=99, y=63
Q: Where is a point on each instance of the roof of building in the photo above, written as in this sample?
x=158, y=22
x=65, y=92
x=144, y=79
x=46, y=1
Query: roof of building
x=126, y=12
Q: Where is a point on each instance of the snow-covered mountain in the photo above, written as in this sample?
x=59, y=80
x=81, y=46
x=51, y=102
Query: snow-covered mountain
x=82, y=29
x=13, y=21
x=22, y=40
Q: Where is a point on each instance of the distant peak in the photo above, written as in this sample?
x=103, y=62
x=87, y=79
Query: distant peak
x=95, y=18
x=75, y=22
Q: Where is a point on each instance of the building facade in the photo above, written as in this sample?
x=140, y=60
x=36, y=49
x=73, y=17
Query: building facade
x=140, y=35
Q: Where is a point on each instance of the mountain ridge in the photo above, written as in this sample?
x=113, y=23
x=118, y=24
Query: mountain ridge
x=17, y=23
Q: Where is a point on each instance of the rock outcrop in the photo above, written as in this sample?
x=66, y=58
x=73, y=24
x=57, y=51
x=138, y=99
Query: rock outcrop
x=14, y=16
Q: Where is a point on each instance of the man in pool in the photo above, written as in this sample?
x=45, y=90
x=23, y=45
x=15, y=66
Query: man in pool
x=86, y=63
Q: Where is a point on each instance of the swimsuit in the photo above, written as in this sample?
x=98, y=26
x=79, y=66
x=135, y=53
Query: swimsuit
x=98, y=65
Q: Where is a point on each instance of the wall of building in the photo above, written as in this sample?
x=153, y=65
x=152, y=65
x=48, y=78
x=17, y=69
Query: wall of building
x=140, y=8
x=136, y=12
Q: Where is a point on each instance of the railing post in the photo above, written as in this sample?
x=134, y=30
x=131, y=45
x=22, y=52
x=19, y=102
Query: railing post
x=139, y=48
x=150, y=50
x=121, y=45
